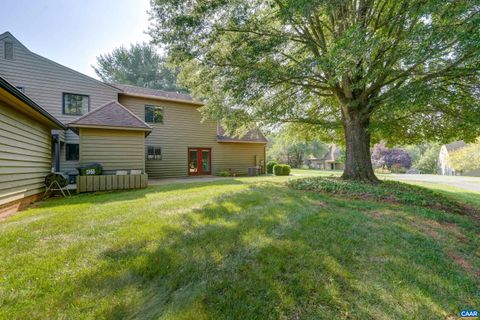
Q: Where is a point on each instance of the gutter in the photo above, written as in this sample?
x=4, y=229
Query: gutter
x=153, y=97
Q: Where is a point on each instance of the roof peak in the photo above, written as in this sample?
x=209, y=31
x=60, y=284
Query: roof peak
x=9, y=34
x=111, y=115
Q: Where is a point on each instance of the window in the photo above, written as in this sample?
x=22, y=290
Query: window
x=72, y=151
x=153, y=114
x=8, y=50
x=75, y=104
x=154, y=153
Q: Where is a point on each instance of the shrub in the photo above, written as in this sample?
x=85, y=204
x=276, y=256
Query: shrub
x=270, y=165
x=281, y=169
x=224, y=174
x=398, y=169
x=428, y=161
x=382, y=171
x=278, y=169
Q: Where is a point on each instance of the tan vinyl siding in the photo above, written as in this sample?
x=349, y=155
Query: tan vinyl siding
x=113, y=149
x=237, y=157
x=45, y=81
x=182, y=128
x=25, y=155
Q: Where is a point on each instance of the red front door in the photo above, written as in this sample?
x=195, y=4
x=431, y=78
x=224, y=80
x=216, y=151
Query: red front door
x=199, y=161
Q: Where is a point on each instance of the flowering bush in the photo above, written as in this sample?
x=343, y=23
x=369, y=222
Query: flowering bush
x=392, y=159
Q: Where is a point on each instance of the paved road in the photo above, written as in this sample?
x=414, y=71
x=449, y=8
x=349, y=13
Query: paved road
x=467, y=183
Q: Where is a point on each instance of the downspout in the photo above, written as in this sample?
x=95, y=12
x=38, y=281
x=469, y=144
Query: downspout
x=264, y=169
x=57, y=158
x=56, y=140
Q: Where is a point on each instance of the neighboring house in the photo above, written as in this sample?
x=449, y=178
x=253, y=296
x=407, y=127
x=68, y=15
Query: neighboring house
x=444, y=167
x=443, y=163
x=330, y=161
x=126, y=127
x=25, y=148
x=312, y=162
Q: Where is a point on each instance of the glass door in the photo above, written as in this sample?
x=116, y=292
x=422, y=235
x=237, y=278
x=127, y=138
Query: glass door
x=199, y=161
x=206, y=161
x=192, y=162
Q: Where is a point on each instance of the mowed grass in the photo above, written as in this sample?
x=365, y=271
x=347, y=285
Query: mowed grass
x=246, y=248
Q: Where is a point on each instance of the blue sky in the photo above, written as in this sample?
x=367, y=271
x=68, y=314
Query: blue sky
x=74, y=32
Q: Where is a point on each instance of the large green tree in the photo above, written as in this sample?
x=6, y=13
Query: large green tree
x=466, y=159
x=140, y=65
x=402, y=70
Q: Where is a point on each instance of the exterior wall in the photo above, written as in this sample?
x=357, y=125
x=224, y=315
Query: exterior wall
x=113, y=149
x=25, y=155
x=443, y=166
x=338, y=166
x=45, y=81
x=237, y=157
x=183, y=128
x=325, y=165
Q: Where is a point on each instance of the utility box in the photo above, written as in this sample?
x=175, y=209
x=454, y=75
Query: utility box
x=253, y=171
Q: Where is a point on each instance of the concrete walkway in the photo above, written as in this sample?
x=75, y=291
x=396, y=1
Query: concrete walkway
x=159, y=182
x=463, y=182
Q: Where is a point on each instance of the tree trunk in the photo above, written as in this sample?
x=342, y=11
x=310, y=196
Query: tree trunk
x=358, y=163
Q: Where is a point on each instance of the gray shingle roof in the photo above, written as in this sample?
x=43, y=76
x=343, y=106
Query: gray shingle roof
x=134, y=90
x=455, y=145
x=112, y=114
x=254, y=135
x=333, y=154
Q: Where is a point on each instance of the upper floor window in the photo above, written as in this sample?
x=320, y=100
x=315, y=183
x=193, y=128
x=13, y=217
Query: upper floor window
x=8, y=50
x=75, y=104
x=153, y=114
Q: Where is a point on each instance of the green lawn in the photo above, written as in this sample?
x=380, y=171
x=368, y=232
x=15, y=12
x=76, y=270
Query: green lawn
x=245, y=248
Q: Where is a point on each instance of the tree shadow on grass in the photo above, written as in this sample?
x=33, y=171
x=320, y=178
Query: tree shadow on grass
x=270, y=253
x=127, y=195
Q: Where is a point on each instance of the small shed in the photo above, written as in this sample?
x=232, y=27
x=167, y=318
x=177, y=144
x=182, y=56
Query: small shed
x=330, y=161
x=25, y=148
x=112, y=136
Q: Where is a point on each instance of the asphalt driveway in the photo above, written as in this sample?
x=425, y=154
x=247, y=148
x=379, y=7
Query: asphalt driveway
x=463, y=182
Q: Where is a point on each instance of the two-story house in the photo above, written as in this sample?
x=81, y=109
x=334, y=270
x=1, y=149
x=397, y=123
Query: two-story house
x=125, y=127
